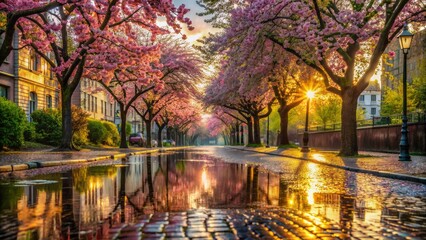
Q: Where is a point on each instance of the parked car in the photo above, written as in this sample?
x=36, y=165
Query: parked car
x=154, y=143
x=169, y=142
x=137, y=138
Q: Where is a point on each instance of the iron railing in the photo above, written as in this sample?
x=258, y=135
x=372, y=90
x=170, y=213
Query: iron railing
x=415, y=117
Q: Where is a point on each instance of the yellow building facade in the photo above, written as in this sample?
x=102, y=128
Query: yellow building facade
x=35, y=85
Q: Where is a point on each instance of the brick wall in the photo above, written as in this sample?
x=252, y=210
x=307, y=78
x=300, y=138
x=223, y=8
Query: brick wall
x=381, y=138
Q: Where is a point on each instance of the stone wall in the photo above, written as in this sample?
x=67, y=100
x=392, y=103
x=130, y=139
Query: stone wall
x=378, y=138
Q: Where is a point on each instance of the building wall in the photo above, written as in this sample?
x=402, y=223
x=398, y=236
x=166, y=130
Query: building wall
x=369, y=101
x=7, y=78
x=381, y=138
x=7, y=75
x=35, y=77
x=392, y=67
x=90, y=96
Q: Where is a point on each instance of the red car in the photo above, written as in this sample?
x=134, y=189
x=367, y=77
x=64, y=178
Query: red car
x=137, y=138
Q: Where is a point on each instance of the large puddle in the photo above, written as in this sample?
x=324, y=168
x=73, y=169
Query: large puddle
x=86, y=202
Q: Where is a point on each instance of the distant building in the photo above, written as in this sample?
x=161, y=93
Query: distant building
x=392, y=67
x=90, y=96
x=370, y=99
x=97, y=103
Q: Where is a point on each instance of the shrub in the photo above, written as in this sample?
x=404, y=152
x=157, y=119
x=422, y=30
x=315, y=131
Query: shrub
x=79, y=126
x=48, y=126
x=97, y=131
x=29, y=131
x=12, y=123
x=128, y=128
x=112, y=137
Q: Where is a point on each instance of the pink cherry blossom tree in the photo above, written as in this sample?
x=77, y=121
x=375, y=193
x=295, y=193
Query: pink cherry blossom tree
x=182, y=70
x=180, y=118
x=11, y=11
x=342, y=40
x=251, y=100
x=72, y=31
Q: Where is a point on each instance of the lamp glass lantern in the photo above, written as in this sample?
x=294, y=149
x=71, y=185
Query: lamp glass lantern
x=405, y=38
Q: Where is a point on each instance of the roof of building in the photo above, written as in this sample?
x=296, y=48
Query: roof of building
x=373, y=86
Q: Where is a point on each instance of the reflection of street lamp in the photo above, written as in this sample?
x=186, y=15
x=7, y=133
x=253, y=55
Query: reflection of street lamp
x=305, y=148
x=267, y=133
x=404, y=38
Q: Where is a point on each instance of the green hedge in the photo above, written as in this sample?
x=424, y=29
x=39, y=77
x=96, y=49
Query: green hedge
x=12, y=124
x=103, y=132
x=112, y=137
x=97, y=132
x=48, y=126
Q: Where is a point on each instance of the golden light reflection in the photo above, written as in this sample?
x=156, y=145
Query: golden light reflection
x=318, y=157
x=205, y=180
x=313, y=184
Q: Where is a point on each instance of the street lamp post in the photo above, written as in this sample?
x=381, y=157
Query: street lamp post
x=305, y=148
x=267, y=133
x=404, y=38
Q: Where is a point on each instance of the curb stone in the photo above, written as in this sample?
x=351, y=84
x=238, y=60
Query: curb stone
x=392, y=175
x=34, y=165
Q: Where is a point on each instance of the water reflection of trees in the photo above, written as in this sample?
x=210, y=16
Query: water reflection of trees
x=86, y=202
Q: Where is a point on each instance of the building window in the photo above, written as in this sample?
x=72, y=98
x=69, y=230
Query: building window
x=33, y=102
x=102, y=106
x=373, y=111
x=96, y=104
x=110, y=109
x=105, y=107
x=92, y=103
x=83, y=101
x=373, y=98
x=34, y=61
x=4, y=91
x=361, y=98
x=49, y=101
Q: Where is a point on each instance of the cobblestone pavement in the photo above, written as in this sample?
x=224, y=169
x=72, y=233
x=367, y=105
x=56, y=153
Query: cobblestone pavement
x=375, y=161
x=250, y=224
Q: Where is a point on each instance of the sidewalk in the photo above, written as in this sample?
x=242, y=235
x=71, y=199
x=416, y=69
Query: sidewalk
x=380, y=164
x=24, y=160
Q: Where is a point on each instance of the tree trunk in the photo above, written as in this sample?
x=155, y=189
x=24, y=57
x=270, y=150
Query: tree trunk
x=69, y=228
x=66, y=143
x=160, y=137
x=348, y=116
x=168, y=132
x=122, y=194
x=250, y=131
x=284, y=127
x=256, y=126
x=242, y=134
x=123, y=116
x=148, y=124
x=237, y=132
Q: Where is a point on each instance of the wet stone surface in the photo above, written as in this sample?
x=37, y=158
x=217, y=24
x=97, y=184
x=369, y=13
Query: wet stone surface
x=269, y=223
x=210, y=194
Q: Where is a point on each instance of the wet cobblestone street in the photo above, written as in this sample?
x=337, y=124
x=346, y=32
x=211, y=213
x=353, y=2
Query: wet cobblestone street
x=251, y=224
x=209, y=193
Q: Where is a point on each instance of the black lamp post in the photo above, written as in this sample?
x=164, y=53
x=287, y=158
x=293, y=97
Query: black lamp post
x=305, y=148
x=404, y=38
x=267, y=133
